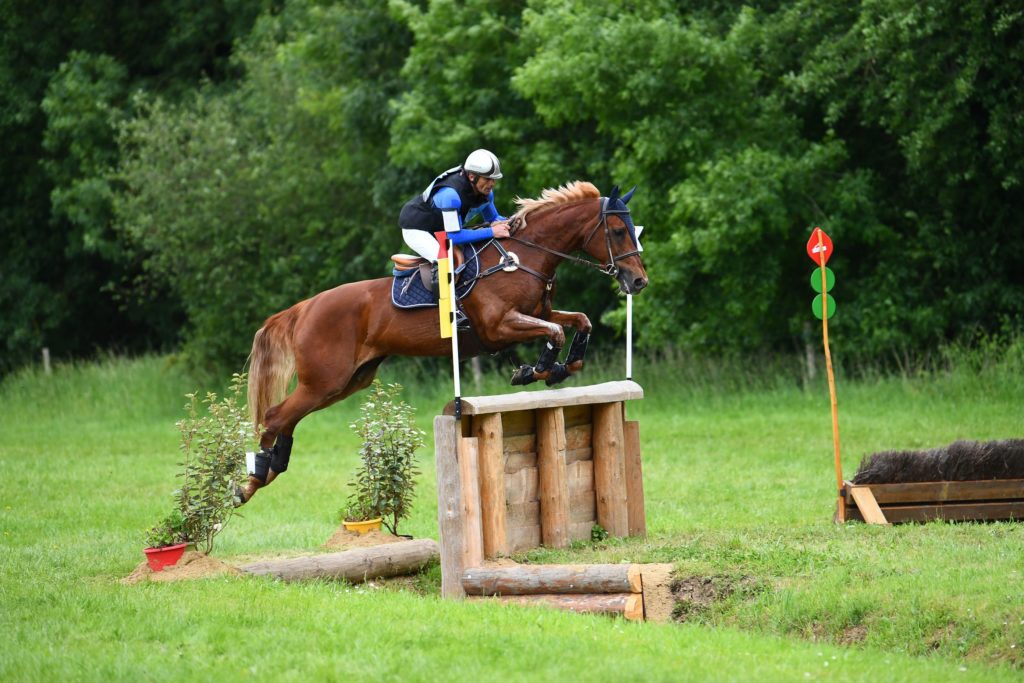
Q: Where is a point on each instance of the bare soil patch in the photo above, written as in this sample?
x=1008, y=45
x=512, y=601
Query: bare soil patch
x=696, y=595
x=343, y=539
x=192, y=565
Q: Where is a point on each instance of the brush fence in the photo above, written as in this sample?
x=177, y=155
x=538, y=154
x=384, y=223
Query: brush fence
x=535, y=468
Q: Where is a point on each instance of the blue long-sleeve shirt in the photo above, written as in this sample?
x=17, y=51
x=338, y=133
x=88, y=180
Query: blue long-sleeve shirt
x=447, y=199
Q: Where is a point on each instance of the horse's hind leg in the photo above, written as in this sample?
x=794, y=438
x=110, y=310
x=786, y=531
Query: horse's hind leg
x=276, y=440
x=548, y=368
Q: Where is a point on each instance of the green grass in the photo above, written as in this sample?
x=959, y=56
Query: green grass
x=739, y=488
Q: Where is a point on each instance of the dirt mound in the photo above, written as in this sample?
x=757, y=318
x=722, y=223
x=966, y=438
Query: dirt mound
x=343, y=539
x=192, y=565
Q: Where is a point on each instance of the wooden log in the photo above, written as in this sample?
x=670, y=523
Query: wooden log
x=472, y=522
x=627, y=605
x=553, y=489
x=517, y=422
x=531, y=579
x=577, y=415
x=517, y=461
x=355, y=566
x=521, y=443
x=449, y=504
x=488, y=430
x=578, y=438
x=636, y=514
x=610, y=469
x=522, y=514
x=607, y=392
x=580, y=476
x=583, y=507
x=521, y=487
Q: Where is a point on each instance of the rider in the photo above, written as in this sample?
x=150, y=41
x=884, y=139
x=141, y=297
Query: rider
x=452, y=198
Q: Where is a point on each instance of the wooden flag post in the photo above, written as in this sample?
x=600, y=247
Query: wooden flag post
x=819, y=248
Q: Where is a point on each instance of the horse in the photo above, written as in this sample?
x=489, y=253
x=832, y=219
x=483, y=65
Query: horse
x=336, y=340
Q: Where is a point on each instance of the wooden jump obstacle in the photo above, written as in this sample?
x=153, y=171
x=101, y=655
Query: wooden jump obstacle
x=355, y=566
x=994, y=499
x=538, y=468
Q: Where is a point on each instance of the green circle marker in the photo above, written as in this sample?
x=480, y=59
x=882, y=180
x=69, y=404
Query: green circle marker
x=830, y=280
x=816, y=306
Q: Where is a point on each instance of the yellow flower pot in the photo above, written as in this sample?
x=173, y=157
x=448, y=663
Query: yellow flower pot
x=363, y=527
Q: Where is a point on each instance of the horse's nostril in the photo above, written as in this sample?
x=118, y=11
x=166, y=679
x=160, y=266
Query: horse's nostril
x=639, y=283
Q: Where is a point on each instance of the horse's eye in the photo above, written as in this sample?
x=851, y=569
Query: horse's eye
x=619, y=233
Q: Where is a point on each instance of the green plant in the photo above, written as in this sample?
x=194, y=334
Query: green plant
x=214, y=446
x=358, y=510
x=168, y=531
x=386, y=479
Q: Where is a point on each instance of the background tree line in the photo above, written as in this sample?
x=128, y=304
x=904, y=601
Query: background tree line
x=176, y=171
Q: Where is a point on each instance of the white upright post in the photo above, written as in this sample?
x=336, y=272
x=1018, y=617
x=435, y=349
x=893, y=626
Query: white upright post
x=629, y=336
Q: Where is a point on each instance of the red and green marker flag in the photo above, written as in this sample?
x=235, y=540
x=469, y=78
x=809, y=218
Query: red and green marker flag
x=819, y=249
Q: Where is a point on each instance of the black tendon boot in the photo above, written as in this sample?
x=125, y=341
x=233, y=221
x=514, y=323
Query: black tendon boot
x=282, y=454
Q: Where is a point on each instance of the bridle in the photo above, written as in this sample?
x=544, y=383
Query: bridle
x=610, y=268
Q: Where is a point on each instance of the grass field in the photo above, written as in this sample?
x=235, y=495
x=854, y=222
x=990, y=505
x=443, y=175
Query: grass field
x=740, y=493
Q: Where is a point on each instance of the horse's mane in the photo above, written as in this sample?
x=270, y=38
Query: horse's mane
x=575, y=191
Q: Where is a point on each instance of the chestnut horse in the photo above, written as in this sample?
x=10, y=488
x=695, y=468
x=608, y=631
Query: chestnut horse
x=336, y=340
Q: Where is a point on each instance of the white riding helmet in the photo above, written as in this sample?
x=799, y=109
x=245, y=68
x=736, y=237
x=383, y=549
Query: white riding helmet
x=482, y=163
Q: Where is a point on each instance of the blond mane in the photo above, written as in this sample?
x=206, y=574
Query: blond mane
x=575, y=191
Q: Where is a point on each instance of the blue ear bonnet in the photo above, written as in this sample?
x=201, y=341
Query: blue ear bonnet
x=617, y=205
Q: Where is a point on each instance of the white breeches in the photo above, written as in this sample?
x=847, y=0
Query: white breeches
x=423, y=243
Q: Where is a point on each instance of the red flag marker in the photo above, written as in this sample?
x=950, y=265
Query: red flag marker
x=819, y=251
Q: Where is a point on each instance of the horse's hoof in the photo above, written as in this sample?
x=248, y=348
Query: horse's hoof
x=559, y=373
x=239, y=499
x=524, y=375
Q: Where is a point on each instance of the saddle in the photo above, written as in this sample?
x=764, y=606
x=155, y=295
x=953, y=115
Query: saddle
x=409, y=291
x=403, y=263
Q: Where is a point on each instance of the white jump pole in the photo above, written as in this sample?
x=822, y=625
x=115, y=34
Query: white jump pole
x=629, y=336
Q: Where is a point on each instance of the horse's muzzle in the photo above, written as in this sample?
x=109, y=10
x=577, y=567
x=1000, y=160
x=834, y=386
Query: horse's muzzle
x=630, y=283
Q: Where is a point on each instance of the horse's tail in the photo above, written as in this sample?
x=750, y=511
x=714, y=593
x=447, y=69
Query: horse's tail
x=272, y=362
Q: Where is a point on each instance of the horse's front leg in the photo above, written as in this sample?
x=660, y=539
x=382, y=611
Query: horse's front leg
x=516, y=327
x=577, y=350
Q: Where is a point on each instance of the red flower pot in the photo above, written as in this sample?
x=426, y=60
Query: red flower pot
x=166, y=556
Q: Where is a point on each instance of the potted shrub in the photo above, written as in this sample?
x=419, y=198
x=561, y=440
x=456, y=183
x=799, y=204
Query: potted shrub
x=213, y=443
x=386, y=479
x=166, y=542
x=359, y=516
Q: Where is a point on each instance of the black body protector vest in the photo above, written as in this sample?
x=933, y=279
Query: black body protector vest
x=419, y=213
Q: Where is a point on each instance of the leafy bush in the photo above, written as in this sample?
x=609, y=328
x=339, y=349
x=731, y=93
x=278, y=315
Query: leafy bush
x=214, y=446
x=386, y=479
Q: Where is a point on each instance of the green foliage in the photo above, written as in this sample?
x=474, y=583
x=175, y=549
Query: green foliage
x=386, y=480
x=214, y=446
x=891, y=124
x=168, y=531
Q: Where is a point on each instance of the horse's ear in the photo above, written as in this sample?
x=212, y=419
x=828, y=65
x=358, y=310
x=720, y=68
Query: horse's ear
x=614, y=195
x=629, y=195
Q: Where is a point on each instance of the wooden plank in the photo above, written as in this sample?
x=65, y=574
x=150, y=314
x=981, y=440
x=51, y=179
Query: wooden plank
x=635, y=512
x=608, y=392
x=520, y=443
x=359, y=564
x=523, y=538
x=578, y=437
x=626, y=605
x=449, y=505
x=867, y=505
x=956, y=512
x=472, y=522
x=517, y=461
x=531, y=579
x=580, y=531
x=577, y=415
x=943, y=491
x=610, y=469
x=580, y=476
x=521, y=487
x=553, y=489
x=523, y=514
x=517, y=422
x=487, y=429
x=578, y=454
x=583, y=508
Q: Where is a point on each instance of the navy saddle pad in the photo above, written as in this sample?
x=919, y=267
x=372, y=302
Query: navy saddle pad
x=408, y=291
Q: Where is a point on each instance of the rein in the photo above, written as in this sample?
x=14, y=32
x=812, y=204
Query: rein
x=611, y=268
